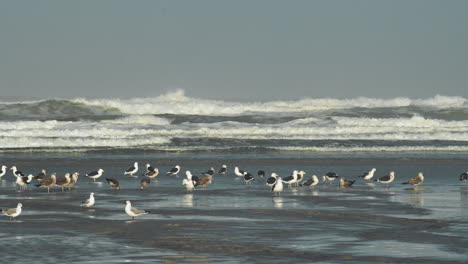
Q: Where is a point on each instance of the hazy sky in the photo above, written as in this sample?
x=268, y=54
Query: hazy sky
x=247, y=49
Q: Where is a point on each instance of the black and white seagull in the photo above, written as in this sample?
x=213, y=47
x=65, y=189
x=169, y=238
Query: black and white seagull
x=210, y=172
x=311, y=182
x=239, y=173
x=272, y=180
x=174, y=171
x=223, y=170
x=463, y=176
x=390, y=177
x=24, y=181
x=95, y=174
x=368, y=175
x=132, y=170
x=291, y=179
x=149, y=167
x=330, y=176
x=248, y=178
x=16, y=172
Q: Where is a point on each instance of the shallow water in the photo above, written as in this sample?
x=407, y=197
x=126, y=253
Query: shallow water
x=230, y=222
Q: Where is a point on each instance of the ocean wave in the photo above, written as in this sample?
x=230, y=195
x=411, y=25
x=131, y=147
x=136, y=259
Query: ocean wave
x=177, y=103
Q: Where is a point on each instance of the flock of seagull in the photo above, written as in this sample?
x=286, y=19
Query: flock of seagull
x=274, y=182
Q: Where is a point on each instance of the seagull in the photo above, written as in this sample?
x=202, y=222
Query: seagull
x=291, y=179
x=261, y=173
x=41, y=175
x=223, y=170
x=95, y=174
x=13, y=212
x=88, y=202
x=174, y=171
x=463, y=176
x=248, y=178
x=48, y=183
x=330, y=176
x=188, y=182
x=3, y=171
x=144, y=183
x=203, y=181
x=149, y=167
x=73, y=180
x=416, y=180
x=368, y=175
x=300, y=177
x=132, y=211
x=239, y=173
x=132, y=170
x=387, y=178
x=312, y=181
x=113, y=183
x=278, y=186
x=210, y=172
x=272, y=180
x=23, y=181
x=63, y=182
x=17, y=172
x=346, y=183
x=152, y=174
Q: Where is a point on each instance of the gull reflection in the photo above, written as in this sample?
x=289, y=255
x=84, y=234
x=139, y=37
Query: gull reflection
x=187, y=200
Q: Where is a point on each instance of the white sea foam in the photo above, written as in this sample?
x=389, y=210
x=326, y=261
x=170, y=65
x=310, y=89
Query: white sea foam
x=178, y=103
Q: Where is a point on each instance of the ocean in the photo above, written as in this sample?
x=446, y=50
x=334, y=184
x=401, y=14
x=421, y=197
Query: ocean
x=229, y=221
x=174, y=122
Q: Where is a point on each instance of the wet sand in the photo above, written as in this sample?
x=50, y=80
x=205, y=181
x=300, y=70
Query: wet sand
x=229, y=222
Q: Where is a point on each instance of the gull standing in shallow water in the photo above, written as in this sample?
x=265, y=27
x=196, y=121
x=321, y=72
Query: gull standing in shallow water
x=277, y=188
x=188, y=182
x=88, y=202
x=272, y=180
x=95, y=174
x=312, y=181
x=132, y=211
x=13, y=212
x=132, y=170
x=48, y=183
x=416, y=180
x=223, y=170
x=113, y=183
x=387, y=178
x=174, y=171
x=368, y=175
x=463, y=176
x=346, y=183
x=3, y=171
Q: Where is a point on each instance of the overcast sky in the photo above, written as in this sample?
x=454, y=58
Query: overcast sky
x=236, y=50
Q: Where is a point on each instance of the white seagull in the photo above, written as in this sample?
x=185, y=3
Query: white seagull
x=132, y=170
x=88, y=202
x=13, y=212
x=188, y=182
x=132, y=211
x=239, y=173
x=278, y=186
x=3, y=171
